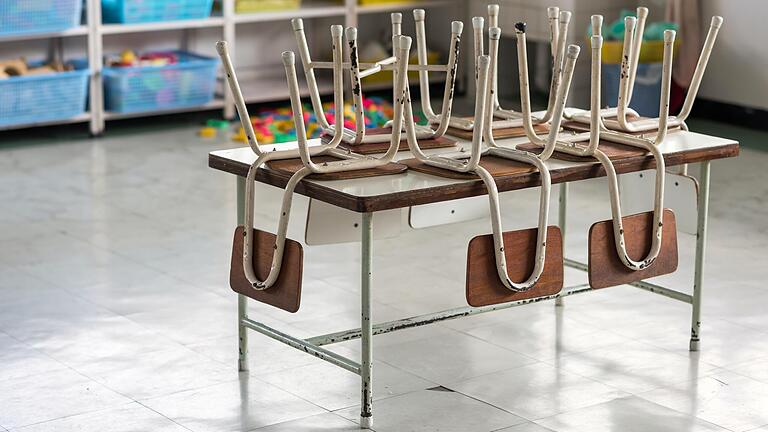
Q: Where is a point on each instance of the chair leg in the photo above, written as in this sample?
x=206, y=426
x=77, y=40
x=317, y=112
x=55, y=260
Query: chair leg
x=562, y=222
x=242, y=301
x=701, y=241
x=366, y=390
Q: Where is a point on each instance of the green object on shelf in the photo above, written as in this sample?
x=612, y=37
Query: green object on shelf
x=218, y=124
x=616, y=28
x=655, y=31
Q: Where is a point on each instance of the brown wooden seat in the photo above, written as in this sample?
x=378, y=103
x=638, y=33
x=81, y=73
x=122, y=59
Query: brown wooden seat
x=382, y=147
x=498, y=133
x=605, y=267
x=584, y=127
x=286, y=292
x=498, y=167
x=290, y=166
x=613, y=150
x=483, y=284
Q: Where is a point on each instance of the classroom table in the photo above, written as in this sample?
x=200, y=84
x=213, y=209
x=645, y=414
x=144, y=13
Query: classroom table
x=370, y=195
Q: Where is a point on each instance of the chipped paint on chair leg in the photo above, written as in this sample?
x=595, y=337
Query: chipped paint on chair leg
x=701, y=244
x=366, y=329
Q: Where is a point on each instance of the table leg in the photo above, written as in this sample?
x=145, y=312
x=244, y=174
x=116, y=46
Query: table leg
x=242, y=301
x=562, y=208
x=366, y=415
x=701, y=241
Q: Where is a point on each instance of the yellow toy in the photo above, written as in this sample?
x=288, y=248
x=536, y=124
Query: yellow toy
x=207, y=132
x=240, y=136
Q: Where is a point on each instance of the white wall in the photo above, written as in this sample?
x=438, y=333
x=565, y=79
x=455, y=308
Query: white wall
x=737, y=71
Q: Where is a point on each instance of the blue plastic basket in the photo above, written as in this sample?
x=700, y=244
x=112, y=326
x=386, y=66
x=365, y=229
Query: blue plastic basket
x=190, y=82
x=38, y=16
x=647, y=93
x=41, y=98
x=138, y=11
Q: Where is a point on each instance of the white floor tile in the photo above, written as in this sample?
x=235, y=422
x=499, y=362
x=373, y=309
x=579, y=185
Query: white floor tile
x=536, y=391
x=526, y=427
x=634, y=367
x=733, y=401
x=241, y=405
x=451, y=358
x=435, y=411
x=630, y=414
x=52, y=395
x=127, y=418
x=333, y=388
x=329, y=422
x=180, y=368
x=19, y=360
x=547, y=335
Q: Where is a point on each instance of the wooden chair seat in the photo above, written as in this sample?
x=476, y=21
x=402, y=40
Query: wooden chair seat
x=496, y=166
x=382, y=147
x=290, y=166
x=605, y=267
x=483, y=284
x=498, y=133
x=285, y=294
x=584, y=127
x=612, y=150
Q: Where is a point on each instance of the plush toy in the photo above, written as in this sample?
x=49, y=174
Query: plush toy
x=20, y=67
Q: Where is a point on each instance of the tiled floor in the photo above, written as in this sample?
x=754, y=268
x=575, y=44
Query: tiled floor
x=115, y=314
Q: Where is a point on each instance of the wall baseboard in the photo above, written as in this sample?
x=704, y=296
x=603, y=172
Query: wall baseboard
x=728, y=113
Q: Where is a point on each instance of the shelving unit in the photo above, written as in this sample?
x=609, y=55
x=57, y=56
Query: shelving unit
x=263, y=88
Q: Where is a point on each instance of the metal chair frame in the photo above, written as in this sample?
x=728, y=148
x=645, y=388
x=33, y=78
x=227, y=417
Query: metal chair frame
x=633, y=37
x=348, y=161
x=573, y=144
x=358, y=135
x=461, y=162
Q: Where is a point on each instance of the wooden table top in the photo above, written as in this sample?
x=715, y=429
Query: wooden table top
x=413, y=188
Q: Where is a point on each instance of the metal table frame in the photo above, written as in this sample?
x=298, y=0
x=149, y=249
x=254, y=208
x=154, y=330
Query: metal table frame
x=366, y=331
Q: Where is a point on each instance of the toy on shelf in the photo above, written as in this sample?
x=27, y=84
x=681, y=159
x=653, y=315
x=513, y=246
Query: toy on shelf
x=207, y=132
x=217, y=124
x=128, y=58
x=20, y=67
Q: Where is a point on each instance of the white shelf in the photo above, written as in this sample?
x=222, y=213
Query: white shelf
x=77, y=119
x=260, y=84
x=214, y=104
x=161, y=26
x=400, y=6
x=304, y=12
x=76, y=31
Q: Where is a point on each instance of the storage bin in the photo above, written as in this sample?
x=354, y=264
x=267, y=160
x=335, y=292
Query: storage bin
x=253, y=6
x=190, y=82
x=647, y=93
x=38, y=16
x=42, y=98
x=139, y=11
x=650, y=51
